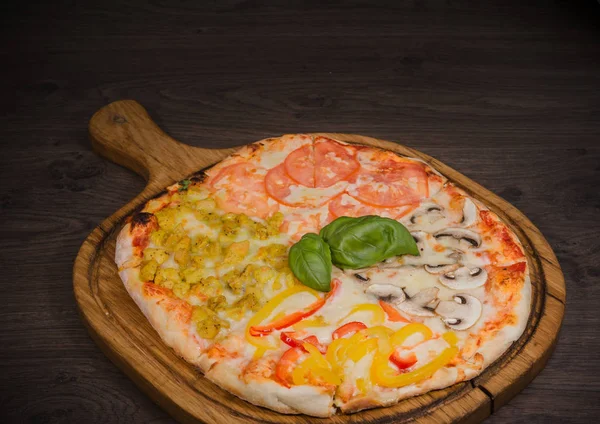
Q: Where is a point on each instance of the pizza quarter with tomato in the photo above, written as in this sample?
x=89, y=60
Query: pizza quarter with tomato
x=307, y=275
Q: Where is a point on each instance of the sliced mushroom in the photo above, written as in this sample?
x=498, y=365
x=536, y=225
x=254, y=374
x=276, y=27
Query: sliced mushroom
x=419, y=237
x=433, y=211
x=361, y=277
x=460, y=234
x=456, y=255
x=441, y=268
x=391, y=263
x=469, y=213
x=464, y=278
x=460, y=313
x=418, y=304
x=387, y=292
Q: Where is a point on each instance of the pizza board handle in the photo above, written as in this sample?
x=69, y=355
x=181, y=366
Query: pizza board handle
x=124, y=133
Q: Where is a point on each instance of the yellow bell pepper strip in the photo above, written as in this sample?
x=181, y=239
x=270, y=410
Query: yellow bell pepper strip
x=291, y=319
x=405, y=332
x=335, y=353
x=384, y=375
x=309, y=370
x=357, y=346
x=259, y=352
x=356, y=353
x=450, y=338
x=362, y=343
x=382, y=334
x=398, y=339
x=379, y=334
x=317, y=321
x=265, y=311
x=315, y=366
x=376, y=310
x=316, y=355
x=363, y=385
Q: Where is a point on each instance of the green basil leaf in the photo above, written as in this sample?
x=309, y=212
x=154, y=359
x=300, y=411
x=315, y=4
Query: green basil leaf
x=361, y=242
x=310, y=261
x=184, y=185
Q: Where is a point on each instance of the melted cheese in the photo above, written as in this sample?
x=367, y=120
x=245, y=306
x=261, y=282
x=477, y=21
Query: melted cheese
x=314, y=196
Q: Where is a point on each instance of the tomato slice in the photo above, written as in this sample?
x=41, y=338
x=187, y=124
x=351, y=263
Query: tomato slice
x=296, y=225
x=300, y=165
x=388, y=180
x=239, y=188
x=346, y=205
x=333, y=162
x=322, y=164
x=279, y=184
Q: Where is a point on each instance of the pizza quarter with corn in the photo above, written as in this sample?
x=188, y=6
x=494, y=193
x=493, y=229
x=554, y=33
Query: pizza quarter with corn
x=307, y=275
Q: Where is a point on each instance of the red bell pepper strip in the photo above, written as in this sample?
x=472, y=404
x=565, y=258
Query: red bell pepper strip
x=403, y=363
x=351, y=327
x=392, y=313
x=291, y=319
x=289, y=339
x=287, y=362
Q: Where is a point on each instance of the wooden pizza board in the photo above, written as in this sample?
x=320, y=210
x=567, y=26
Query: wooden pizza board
x=124, y=133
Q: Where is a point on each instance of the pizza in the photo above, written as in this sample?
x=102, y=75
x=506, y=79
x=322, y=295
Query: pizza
x=308, y=275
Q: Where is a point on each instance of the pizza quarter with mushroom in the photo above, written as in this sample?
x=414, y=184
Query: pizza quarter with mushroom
x=307, y=275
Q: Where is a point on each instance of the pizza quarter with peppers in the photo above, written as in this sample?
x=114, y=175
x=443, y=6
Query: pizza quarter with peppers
x=307, y=275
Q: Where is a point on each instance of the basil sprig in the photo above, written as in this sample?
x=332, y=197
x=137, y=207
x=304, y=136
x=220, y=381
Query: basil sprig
x=184, y=184
x=348, y=243
x=361, y=242
x=310, y=261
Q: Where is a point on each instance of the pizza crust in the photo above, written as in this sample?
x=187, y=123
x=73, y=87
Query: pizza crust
x=124, y=248
x=167, y=315
x=443, y=378
x=308, y=400
x=495, y=348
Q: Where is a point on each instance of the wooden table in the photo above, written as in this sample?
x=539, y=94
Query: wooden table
x=507, y=93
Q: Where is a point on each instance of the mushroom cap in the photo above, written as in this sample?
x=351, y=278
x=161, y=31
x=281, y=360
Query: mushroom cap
x=469, y=213
x=419, y=238
x=417, y=305
x=460, y=234
x=387, y=292
x=441, y=268
x=360, y=277
x=460, y=313
x=464, y=278
x=433, y=211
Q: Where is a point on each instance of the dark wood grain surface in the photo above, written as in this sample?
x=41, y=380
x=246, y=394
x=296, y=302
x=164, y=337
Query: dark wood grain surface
x=506, y=92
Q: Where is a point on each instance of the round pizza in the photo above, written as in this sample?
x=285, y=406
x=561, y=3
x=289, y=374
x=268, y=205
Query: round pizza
x=307, y=275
